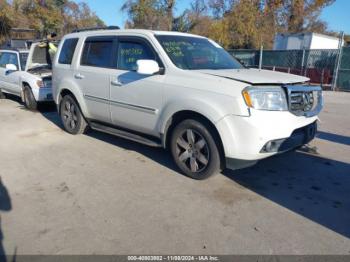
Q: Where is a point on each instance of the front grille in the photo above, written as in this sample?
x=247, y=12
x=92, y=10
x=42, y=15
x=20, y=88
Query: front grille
x=304, y=100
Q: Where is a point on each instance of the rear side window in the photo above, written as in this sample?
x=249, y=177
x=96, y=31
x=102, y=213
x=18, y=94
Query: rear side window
x=67, y=51
x=97, y=52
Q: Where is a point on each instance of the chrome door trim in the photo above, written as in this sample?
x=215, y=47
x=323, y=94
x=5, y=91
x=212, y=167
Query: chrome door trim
x=144, y=109
x=140, y=108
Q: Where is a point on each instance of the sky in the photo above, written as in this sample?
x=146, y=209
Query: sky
x=335, y=15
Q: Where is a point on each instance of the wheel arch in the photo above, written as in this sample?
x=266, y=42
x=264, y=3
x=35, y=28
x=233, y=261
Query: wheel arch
x=76, y=94
x=63, y=93
x=182, y=115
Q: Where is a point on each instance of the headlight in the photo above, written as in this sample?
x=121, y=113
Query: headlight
x=266, y=98
x=45, y=83
x=40, y=83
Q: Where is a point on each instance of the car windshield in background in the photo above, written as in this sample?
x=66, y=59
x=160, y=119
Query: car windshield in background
x=194, y=53
x=23, y=57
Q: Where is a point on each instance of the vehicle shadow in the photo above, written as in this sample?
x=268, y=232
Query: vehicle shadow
x=46, y=109
x=49, y=111
x=158, y=155
x=301, y=181
x=5, y=205
x=345, y=140
x=305, y=183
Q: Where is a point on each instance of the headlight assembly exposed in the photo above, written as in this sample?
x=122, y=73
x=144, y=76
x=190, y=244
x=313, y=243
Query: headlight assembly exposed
x=272, y=98
x=40, y=83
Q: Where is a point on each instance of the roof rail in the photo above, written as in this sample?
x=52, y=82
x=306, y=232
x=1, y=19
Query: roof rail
x=96, y=28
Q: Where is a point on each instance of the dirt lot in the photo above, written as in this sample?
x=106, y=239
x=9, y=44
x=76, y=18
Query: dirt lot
x=98, y=194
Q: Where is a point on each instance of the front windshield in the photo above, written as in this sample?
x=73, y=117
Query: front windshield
x=194, y=53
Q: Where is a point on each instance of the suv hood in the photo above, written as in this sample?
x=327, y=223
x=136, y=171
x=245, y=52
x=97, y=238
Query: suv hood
x=257, y=76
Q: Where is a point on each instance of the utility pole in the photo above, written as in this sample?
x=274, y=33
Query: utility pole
x=261, y=57
x=338, y=61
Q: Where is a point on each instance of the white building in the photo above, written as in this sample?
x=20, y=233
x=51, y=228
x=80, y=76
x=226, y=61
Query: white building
x=305, y=41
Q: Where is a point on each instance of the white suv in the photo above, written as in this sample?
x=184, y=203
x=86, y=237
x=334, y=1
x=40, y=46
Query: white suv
x=26, y=74
x=183, y=92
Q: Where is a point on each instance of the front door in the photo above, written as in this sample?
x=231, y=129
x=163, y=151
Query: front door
x=136, y=100
x=9, y=80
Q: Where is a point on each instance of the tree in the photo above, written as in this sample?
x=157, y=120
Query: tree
x=78, y=16
x=244, y=23
x=45, y=16
x=303, y=15
x=149, y=14
x=233, y=23
x=6, y=19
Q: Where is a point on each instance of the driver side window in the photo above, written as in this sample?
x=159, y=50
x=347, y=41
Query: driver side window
x=3, y=60
x=8, y=58
x=131, y=51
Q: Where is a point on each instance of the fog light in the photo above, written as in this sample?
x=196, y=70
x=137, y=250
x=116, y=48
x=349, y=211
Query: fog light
x=272, y=146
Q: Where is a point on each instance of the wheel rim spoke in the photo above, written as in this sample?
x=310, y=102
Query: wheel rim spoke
x=184, y=156
x=190, y=137
x=201, y=158
x=193, y=151
x=72, y=123
x=194, y=164
x=182, y=143
x=200, y=144
x=67, y=105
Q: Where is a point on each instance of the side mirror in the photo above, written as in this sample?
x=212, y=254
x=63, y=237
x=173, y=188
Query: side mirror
x=11, y=67
x=147, y=67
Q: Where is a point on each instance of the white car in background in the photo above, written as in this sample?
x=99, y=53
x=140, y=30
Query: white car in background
x=182, y=92
x=26, y=74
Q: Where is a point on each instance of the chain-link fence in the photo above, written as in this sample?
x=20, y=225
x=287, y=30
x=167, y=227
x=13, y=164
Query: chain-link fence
x=343, y=81
x=318, y=65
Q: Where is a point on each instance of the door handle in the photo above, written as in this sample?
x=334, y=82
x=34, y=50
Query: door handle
x=79, y=76
x=116, y=83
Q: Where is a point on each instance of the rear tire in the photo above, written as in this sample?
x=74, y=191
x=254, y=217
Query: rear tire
x=2, y=95
x=194, y=149
x=71, y=116
x=29, y=99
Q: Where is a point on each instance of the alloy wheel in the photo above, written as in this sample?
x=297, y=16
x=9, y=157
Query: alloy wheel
x=192, y=150
x=69, y=113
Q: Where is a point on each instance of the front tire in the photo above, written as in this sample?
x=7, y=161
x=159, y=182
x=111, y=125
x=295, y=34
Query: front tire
x=29, y=99
x=71, y=116
x=194, y=149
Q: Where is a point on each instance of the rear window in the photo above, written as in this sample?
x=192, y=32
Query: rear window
x=67, y=51
x=98, y=52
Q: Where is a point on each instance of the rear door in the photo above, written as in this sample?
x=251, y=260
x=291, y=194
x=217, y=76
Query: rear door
x=97, y=65
x=136, y=100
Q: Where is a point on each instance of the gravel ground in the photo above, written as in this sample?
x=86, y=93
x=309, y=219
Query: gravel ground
x=99, y=194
